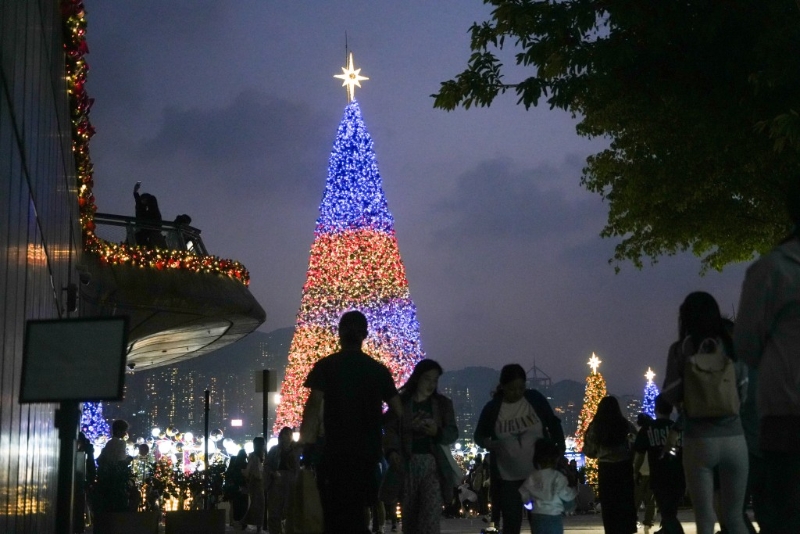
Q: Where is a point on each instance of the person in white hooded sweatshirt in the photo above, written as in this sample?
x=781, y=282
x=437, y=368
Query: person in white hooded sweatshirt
x=547, y=490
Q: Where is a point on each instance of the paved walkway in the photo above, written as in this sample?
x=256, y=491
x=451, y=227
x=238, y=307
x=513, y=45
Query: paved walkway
x=577, y=523
x=582, y=523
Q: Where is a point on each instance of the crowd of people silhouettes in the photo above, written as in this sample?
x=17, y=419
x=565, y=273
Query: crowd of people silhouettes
x=726, y=423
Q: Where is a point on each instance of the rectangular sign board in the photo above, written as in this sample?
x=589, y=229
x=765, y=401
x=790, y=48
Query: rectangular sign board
x=74, y=359
x=268, y=377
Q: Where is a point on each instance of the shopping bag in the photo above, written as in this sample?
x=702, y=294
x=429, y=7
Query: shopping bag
x=305, y=507
x=449, y=467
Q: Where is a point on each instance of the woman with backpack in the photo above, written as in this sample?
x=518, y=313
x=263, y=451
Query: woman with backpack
x=707, y=383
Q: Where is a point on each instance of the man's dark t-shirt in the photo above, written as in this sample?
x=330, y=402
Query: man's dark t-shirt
x=355, y=388
x=652, y=439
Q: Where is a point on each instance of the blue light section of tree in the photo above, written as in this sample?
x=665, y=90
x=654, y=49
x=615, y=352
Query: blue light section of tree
x=649, y=400
x=353, y=196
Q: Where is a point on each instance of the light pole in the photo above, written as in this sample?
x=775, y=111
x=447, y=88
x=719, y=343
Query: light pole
x=266, y=383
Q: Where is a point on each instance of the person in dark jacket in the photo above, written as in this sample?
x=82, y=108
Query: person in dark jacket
x=281, y=466
x=608, y=440
x=427, y=423
x=767, y=338
x=236, y=485
x=509, y=426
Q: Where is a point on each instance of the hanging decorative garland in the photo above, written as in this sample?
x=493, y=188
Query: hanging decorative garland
x=75, y=48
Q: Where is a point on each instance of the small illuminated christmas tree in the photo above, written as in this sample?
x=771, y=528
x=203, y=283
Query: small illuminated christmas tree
x=650, y=394
x=93, y=423
x=354, y=265
x=593, y=394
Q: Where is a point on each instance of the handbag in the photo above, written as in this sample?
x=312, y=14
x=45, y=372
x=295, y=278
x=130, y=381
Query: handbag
x=305, y=507
x=254, y=469
x=450, y=469
x=391, y=485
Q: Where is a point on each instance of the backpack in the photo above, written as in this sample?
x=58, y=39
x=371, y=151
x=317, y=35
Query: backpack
x=477, y=479
x=709, y=382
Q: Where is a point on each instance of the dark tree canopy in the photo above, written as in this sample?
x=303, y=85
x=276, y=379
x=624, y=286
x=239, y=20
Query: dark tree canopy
x=698, y=99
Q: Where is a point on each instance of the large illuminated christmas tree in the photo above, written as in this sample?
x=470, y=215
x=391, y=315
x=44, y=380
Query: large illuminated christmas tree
x=593, y=394
x=354, y=265
x=650, y=394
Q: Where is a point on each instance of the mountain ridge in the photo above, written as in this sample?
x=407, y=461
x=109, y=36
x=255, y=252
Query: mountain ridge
x=231, y=372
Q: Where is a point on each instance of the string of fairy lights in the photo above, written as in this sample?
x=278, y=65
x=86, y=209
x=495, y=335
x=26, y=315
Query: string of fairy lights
x=354, y=264
x=650, y=394
x=593, y=394
x=353, y=196
x=76, y=69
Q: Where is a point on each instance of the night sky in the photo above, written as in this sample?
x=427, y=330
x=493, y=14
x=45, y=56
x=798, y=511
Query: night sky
x=227, y=111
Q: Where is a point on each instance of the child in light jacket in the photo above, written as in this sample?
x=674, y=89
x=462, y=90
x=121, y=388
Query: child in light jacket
x=547, y=490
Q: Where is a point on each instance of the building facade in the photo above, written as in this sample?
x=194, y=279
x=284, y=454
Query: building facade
x=464, y=408
x=631, y=407
x=40, y=243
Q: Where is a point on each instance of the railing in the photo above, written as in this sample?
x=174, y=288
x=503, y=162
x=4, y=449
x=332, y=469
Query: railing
x=135, y=232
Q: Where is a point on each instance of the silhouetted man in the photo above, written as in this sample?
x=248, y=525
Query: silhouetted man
x=353, y=387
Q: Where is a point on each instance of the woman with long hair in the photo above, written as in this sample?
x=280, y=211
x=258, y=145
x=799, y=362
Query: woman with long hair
x=236, y=485
x=415, y=443
x=254, y=473
x=509, y=426
x=715, y=442
x=608, y=439
x=280, y=473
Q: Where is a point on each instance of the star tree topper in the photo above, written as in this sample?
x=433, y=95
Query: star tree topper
x=649, y=375
x=594, y=363
x=351, y=78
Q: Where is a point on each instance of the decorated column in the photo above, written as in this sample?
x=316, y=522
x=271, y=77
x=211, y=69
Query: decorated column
x=354, y=265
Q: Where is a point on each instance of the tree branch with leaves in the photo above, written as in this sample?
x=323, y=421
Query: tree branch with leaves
x=697, y=100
